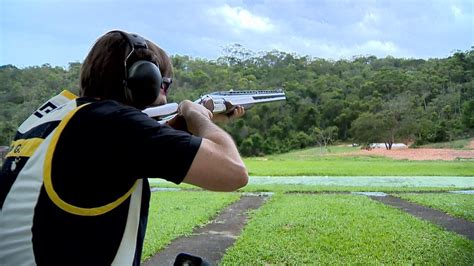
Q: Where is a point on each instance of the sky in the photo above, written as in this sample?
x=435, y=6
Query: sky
x=36, y=32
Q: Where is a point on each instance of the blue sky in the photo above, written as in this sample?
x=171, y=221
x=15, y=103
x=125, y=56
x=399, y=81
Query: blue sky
x=35, y=32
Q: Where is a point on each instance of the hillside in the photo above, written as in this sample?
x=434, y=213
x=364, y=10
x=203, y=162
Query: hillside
x=365, y=99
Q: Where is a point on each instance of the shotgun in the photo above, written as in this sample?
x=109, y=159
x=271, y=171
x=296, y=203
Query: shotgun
x=220, y=102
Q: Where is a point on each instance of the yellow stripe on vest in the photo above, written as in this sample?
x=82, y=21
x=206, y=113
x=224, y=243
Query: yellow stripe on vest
x=24, y=147
x=49, y=185
x=68, y=94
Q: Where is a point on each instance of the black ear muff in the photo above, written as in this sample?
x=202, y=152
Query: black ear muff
x=144, y=82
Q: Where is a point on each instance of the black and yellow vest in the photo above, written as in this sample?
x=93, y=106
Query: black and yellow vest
x=27, y=171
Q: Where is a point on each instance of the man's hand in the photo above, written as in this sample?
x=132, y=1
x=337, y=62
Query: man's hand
x=188, y=109
x=238, y=112
x=195, y=115
x=178, y=122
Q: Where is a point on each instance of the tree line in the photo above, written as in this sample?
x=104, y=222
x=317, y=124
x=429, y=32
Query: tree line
x=364, y=100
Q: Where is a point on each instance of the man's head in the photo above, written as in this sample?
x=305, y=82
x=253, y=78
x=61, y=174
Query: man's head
x=115, y=63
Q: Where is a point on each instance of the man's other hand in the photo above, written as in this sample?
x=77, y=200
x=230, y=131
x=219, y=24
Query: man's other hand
x=238, y=112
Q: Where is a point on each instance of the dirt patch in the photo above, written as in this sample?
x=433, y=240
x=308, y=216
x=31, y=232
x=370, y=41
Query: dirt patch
x=418, y=154
x=458, y=225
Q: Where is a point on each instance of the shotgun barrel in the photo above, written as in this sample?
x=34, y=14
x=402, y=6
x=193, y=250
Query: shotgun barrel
x=221, y=102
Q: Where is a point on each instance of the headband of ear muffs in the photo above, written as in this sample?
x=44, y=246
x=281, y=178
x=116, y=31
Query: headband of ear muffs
x=143, y=78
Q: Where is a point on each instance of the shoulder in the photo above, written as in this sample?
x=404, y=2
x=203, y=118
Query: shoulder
x=104, y=107
x=112, y=111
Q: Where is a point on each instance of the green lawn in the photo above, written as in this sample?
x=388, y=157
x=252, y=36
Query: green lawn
x=343, y=229
x=456, y=144
x=459, y=205
x=324, y=228
x=314, y=161
x=310, y=153
x=283, y=188
x=354, y=166
x=176, y=213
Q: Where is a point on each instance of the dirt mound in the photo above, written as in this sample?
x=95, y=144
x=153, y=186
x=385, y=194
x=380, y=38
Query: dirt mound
x=420, y=154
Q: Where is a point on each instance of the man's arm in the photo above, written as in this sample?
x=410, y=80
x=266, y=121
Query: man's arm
x=217, y=165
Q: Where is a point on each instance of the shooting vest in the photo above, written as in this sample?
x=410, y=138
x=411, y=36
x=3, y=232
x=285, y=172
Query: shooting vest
x=29, y=169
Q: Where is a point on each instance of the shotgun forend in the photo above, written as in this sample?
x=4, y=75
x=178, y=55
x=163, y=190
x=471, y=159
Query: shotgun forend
x=226, y=101
x=222, y=102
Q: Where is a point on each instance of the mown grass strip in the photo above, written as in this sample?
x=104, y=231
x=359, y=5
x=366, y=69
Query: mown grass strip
x=285, y=188
x=355, y=166
x=316, y=188
x=315, y=152
x=176, y=213
x=458, y=205
x=455, y=144
x=343, y=229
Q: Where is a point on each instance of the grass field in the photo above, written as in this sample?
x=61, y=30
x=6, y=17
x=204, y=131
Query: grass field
x=304, y=228
x=354, y=166
x=309, y=153
x=284, y=188
x=176, y=213
x=457, y=205
x=456, y=144
x=343, y=229
x=319, y=228
x=281, y=188
x=316, y=162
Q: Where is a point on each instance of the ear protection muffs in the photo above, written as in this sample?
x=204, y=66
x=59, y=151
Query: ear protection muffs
x=143, y=78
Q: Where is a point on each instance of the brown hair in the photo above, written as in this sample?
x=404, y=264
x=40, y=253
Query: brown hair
x=103, y=70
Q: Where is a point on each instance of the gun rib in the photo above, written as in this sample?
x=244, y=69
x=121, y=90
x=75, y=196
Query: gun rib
x=249, y=92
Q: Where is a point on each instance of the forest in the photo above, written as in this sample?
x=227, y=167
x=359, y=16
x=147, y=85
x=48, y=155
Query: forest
x=361, y=100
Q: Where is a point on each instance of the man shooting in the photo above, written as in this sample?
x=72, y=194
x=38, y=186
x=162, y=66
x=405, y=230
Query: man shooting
x=73, y=187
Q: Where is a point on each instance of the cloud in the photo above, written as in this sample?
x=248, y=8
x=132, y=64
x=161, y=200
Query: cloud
x=368, y=24
x=328, y=49
x=379, y=47
x=457, y=13
x=319, y=28
x=241, y=19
